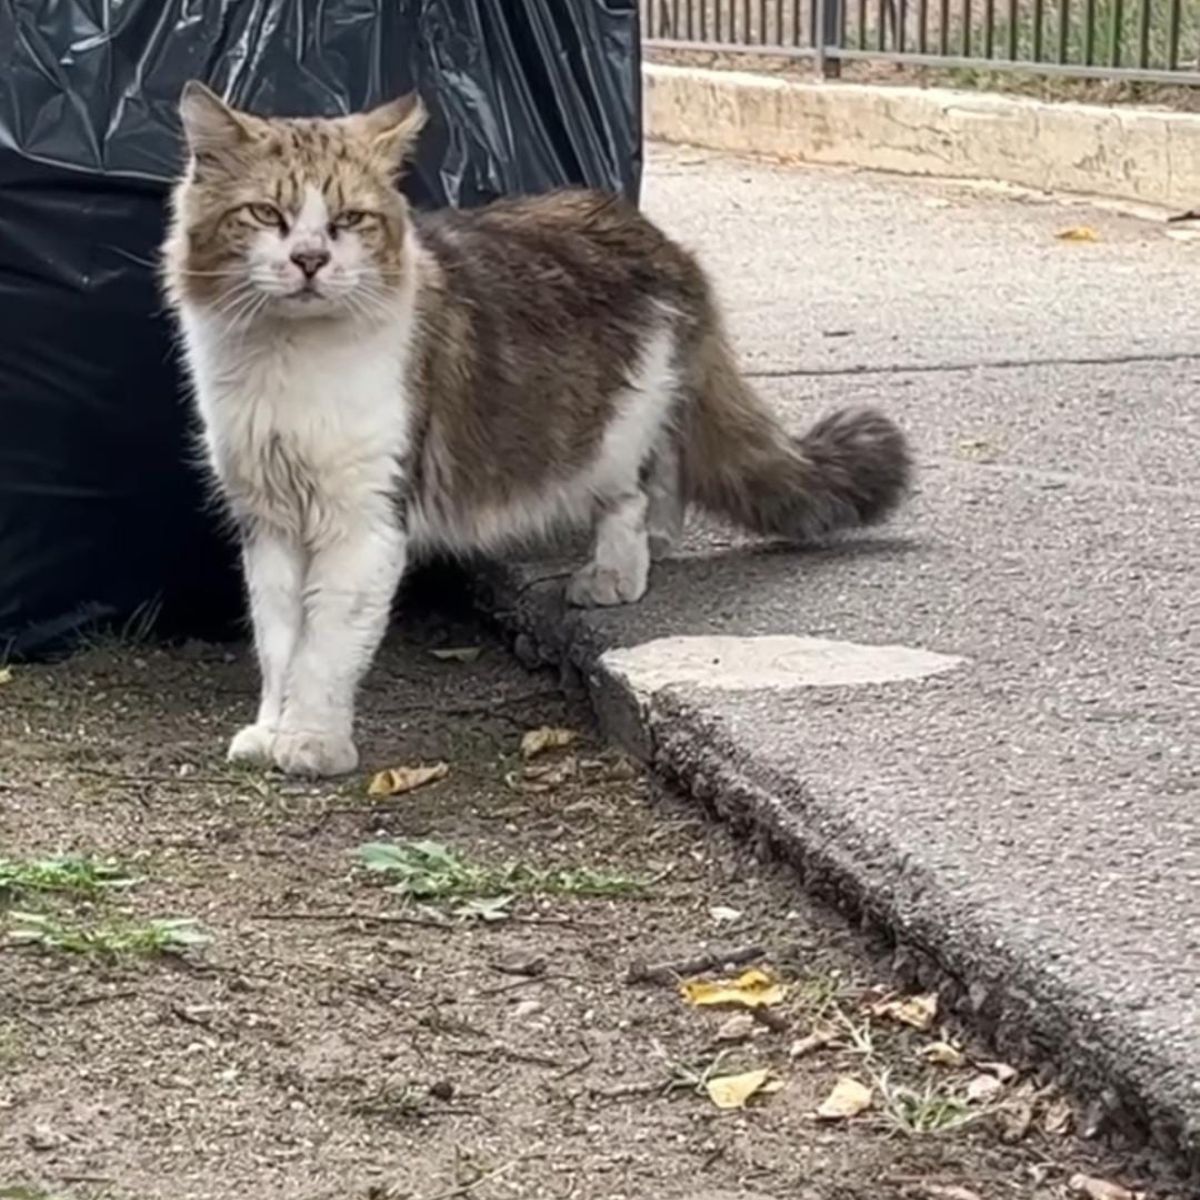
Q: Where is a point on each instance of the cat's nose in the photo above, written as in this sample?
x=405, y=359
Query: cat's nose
x=310, y=261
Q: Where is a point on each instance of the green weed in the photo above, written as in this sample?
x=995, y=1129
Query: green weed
x=73, y=874
x=114, y=939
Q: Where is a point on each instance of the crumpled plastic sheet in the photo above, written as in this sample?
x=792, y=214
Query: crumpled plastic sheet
x=103, y=520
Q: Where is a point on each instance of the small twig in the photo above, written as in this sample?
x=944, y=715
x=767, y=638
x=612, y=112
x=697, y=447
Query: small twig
x=628, y=1091
x=513, y=1053
x=675, y=969
x=575, y=1068
x=1192, y=214
x=370, y=918
x=464, y=1189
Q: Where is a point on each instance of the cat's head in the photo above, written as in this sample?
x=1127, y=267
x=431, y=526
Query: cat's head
x=291, y=218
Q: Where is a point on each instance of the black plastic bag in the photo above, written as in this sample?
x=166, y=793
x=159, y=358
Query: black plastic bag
x=102, y=520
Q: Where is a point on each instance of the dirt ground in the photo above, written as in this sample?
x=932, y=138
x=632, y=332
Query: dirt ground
x=334, y=1039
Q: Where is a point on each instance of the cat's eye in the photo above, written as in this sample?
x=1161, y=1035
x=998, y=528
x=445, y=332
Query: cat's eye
x=350, y=219
x=267, y=214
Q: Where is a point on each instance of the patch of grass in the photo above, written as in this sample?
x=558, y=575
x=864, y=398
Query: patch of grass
x=930, y=1109
x=113, y=939
x=72, y=874
x=821, y=994
x=428, y=870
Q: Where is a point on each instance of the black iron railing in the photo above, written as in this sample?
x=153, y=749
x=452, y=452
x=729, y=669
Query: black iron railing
x=1148, y=40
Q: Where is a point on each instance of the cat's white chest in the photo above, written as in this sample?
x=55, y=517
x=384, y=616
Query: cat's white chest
x=306, y=429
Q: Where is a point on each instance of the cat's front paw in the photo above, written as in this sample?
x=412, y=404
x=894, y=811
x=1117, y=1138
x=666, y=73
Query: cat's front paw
x=315, y=755
x=595, y=586
x=253, y=744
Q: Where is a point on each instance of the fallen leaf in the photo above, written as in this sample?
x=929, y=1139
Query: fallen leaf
x=545, y=777
x=5, y=674
x=1002, y=1071
x=917, y=1011
x=1058, y=1118
x=949, y=1191
x=720, y=913
x=1098, y=1189
x=751, y=989
x=820, y=1037
x=979, y=449
x=983, y=1088
x=732, y=1091
x=538, y=741
x=1078, y=233
x=395, y=781
x=1015, y=1121
x=459, y=654
x=943, y=1054
x=848, y=1099
x=738, y=1028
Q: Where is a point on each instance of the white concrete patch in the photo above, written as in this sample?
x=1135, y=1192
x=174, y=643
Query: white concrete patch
x=743, y=663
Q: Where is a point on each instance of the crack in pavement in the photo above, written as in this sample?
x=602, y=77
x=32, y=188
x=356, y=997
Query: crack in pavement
x=995, y=364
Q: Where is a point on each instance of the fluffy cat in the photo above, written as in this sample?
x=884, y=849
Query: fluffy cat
x=372, y=382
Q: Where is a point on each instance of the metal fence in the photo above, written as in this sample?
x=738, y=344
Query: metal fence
x=1155, y=41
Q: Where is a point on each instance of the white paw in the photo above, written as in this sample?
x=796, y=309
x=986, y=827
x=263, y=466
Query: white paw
x=315, y=754
x=253, y=744
x=595, y=586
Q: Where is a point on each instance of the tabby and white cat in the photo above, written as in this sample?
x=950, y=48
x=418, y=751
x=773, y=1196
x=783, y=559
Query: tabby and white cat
x=373, y=381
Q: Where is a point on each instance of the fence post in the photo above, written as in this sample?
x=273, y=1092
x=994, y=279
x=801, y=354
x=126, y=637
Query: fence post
x=827, y=36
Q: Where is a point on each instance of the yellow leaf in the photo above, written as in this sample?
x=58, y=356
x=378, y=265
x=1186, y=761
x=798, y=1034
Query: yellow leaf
x=751, y=989
x=461, y=654
x=848, y=1099
x=538, y=741
x=732, y=1091
x=395, y=781
x=1098, y=1189
x=1078, y=233
x=5, y=674
x=917, y=1011
x=943, y=1053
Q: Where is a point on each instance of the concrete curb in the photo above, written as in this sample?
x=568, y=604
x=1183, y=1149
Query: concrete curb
x=1142, y=155
x=1135, y=1095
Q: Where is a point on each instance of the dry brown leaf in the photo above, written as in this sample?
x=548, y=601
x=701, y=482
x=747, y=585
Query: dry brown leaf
x=538, y=741
x=1078, y=233
x=848, y=1099
x=459, y=654
x=732, y=1091
x=738, y=1028
x=1098, y=1189
x=818, y=1039
x=944, y=1054
x=983, y=1088
x=1058, y=1118
x=545, y=777
x=395, y=781
x=1002, y=1071
x=1015, y=1121
x=751, y=989
x=917, y=1011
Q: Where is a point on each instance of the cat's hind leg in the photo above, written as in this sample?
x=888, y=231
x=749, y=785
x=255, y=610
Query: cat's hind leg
x=664, y=490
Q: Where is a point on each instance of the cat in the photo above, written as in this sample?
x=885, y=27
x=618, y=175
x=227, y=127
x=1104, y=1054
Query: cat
x=372, y=381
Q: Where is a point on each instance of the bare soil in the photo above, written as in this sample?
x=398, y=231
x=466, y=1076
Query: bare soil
x=333, y=1040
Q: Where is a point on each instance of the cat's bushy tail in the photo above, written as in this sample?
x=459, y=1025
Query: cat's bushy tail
x=850, y=469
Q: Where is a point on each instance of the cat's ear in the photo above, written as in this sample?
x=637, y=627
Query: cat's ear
x=209, y=124
x=392, y=128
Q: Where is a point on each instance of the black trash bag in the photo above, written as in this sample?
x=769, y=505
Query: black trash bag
x=102, y=520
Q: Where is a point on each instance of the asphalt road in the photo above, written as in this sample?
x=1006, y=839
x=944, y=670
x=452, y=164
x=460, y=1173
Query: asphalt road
x=1030, y=815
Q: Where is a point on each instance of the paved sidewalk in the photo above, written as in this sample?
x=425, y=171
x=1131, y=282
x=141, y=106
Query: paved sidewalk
x=1027, y=812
